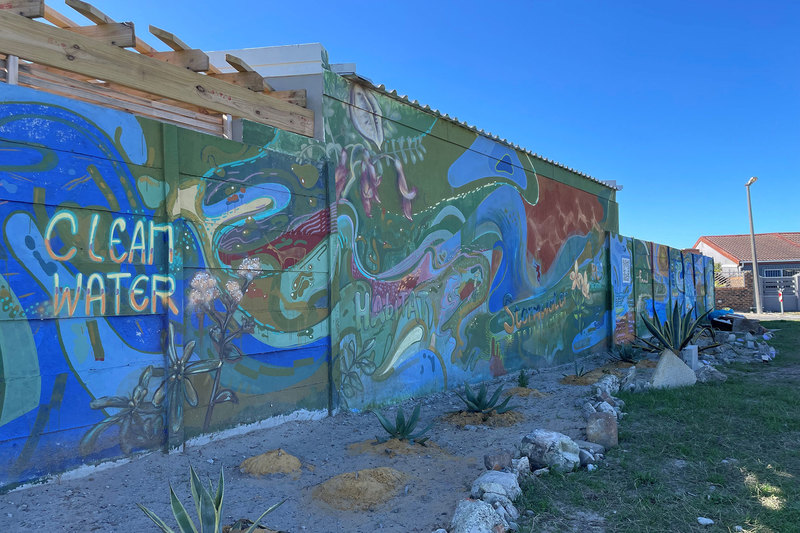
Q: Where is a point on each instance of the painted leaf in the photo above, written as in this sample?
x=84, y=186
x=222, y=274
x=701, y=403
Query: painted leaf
x=226, y=395
x=365, y=114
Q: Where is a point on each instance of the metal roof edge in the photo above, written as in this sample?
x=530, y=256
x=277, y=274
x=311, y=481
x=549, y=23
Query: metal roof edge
x=611, y=184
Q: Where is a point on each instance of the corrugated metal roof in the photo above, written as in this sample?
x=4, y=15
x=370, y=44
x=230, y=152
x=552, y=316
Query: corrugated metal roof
x=611, y=184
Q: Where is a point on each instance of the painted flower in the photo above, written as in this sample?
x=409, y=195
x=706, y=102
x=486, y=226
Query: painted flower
x=249, y=268
x=341, y=174
x=177, y=386
x=370, y=181
x=140, y=422
x=406, y=194
x=234, y=290
x=204, y=289
x=580, y=282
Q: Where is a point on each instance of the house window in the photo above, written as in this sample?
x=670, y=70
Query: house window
x=789, y=272
x=772, y=272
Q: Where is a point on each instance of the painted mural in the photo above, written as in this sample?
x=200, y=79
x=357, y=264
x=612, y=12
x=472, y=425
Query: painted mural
x=457, y=257
x=635, y=296
x=156, y=284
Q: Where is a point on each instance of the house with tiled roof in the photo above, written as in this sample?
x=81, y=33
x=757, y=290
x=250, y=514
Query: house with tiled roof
x=778, y=254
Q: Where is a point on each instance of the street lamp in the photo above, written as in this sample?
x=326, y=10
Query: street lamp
x=756, y=282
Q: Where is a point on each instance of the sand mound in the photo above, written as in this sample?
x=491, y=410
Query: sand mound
x=464, y=418
x=525, y=392
x=394, y=447
x=360, y=490
x=272, y=462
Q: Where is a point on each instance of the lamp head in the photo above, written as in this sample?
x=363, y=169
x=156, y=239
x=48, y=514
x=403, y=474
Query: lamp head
x=751, y=181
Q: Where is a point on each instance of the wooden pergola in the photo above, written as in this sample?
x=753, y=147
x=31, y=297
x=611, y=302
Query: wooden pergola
x=106, y=64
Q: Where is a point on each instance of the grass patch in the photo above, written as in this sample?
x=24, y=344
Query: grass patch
x=729, y=452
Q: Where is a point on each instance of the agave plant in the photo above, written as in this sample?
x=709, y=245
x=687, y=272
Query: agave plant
x=403, y=429
x=676, y=332
x=482, y=403
x=208, y=506
x=625, y=353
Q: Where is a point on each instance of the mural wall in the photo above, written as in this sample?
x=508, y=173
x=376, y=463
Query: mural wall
x=158, y=283
x=458, y=258
x=648, y=277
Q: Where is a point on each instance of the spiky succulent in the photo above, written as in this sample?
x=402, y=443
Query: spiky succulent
x=403, y=429
x=208, y=506
x=483, y=403
x=678, y=331
x=626, y=353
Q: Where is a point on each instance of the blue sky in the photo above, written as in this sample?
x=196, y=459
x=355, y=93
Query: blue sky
x=680, y=102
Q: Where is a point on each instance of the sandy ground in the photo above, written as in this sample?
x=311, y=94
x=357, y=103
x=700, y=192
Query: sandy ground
x=435, y=478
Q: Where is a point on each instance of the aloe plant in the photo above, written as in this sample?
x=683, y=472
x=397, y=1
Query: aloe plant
x=403, y=429
x=208, y=506
x=482, y=403
x=678, y=331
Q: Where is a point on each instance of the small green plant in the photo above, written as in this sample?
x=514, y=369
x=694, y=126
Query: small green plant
x=482, y=403
x=403, y=429
x=580, y=371
x=678, y=331
x=625, y=353
x=523, y=380
x=208, y=506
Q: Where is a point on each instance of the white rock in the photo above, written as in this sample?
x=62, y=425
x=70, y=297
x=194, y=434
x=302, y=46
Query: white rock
x=590, y=446
x=541, y=472
x=586, y=457
x=503, y=483
x=605, y=407
x=475, y=516
x=709, y=374
x=703, y=521
x=738, y=528
x=551, y=449
x=440, y=530
x=672, y=372
x=591, y=468
x=608, y=384
x=521, y=466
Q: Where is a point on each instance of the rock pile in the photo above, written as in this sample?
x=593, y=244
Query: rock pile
x=490, y=507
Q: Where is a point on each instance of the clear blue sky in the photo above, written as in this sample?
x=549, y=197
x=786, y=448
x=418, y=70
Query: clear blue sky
x=680, y=102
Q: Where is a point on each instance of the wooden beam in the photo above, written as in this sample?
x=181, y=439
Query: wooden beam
x=245, y=75
x=296, y=97
x=171, y=40
x=40, y=43
x=119, y=34
x=238, y=63
x=57, y=19
x=26, y=8
x=251, y=80
x=89, y=11
x=194, y=60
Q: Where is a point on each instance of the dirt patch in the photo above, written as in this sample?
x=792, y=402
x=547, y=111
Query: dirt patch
x=525, y=392
x=618, y=368
x=360, y=490
x=464, y=418
x=394, y=447
x=271, y=462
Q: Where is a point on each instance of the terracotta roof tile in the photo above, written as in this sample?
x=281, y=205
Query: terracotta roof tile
x=769, y=246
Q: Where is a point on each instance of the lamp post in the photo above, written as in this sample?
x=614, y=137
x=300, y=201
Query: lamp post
x=756, y=281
